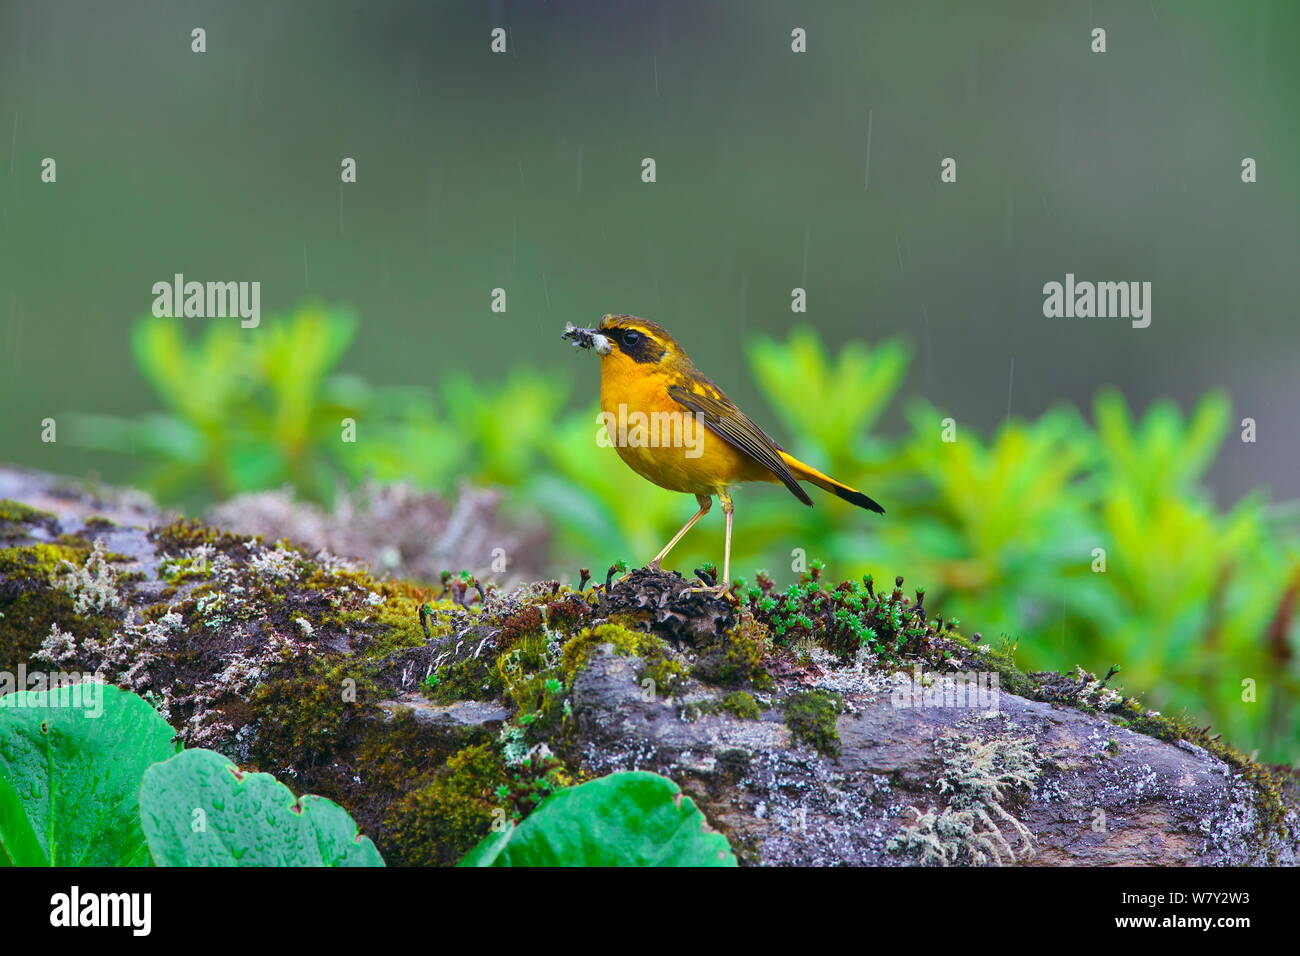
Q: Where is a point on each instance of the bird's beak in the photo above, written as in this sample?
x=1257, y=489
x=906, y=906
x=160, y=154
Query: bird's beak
x=586, y=339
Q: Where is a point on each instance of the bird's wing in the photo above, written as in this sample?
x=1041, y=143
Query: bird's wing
x=724, y=419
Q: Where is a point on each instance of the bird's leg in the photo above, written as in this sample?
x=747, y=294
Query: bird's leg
x=706, y=502
x=728, y=510
x=721, y=589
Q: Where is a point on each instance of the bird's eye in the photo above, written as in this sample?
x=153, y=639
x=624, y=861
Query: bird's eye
x=631, y=337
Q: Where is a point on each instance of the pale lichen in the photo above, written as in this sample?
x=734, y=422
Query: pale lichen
x=969, y=829
x=93, y=586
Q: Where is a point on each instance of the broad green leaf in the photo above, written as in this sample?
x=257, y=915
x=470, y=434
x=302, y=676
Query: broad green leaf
x=198, y=809
x=70, y=769
x=624, y=819
x=489, y=848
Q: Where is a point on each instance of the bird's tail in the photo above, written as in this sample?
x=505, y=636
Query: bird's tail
x=826, y=482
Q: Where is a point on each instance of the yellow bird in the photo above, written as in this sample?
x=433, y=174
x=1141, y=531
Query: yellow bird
x=674, y=427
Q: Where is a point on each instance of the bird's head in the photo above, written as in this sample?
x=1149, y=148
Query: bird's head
x=625, y=341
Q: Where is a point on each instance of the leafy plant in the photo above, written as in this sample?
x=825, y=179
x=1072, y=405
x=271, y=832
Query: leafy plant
x=625, y=819
x=247, y=819
x=507, y=424
x=89, y=777
x=244, y=411
x=994, y=520
x=70, y=775
x=849, y=391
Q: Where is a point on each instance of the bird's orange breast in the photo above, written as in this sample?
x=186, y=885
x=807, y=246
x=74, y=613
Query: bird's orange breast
x=661, y=440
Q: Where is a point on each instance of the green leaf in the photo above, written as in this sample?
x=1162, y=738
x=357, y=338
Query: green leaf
x=489, y=848
x=624, y=819
x=70, y=769
x=199, y=810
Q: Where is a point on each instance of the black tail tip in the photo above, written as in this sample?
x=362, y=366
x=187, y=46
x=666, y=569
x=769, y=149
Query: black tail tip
x=859, y=499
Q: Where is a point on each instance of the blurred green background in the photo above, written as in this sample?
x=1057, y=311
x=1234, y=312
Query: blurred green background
x=775, y=170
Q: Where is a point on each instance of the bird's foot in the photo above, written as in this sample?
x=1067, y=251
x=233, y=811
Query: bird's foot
x=721, y=592
x=708, y=575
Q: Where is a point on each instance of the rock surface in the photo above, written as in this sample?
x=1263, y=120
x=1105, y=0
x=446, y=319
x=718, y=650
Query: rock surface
x=1098, y=794
x=808, y=758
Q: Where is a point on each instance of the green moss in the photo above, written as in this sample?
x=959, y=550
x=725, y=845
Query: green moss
x=437, y=824
x=475, y=678
x=669, y=676
x=578, y=650
x=305, y=716
x=39, y=563
x=667, y=673
x=741, y=704
x=16, y=511
x=431, y=792
x=812, y=717
x=532, y=684
x=31, y=601
x=736, y=659
x=394, y=624
x=26, y=622
x=79, y=543
x=185, y=534
x=400, y=754
x=736, y=704
x=17, y=518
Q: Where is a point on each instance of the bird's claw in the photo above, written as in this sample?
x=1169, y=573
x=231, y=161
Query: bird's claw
x=722, y=592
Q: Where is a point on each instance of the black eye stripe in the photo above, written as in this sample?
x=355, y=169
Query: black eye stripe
x=637, y=345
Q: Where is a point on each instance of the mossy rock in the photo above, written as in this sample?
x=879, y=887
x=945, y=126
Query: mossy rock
x=281, y=657
x=18, y=520
x=813, y=717
x=31, y=600
x=439, y=822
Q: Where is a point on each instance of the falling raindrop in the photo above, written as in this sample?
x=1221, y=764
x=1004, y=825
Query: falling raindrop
x=1011, y=379
x=929, y=349
x=1009, y=233
x=807, y=244
x=866, y=176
